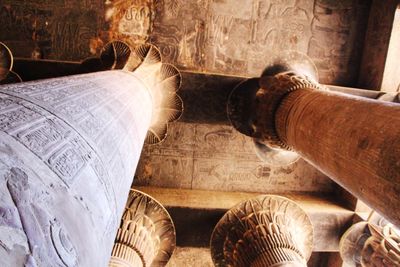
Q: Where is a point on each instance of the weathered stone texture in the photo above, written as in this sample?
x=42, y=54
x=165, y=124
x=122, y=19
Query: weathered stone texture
x=267, y=230
x=190, y=256
x=377, y=39
x=242, y=37
x=234, y=37
x=200, y=257
x=68, y=151
x=217, y=157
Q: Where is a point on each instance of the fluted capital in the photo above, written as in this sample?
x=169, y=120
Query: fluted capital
x=253, y=107
x=273, y=90
x=146, y=236
x=163, y=80
x=6, y=66
x=264, y=231
x=368, y=245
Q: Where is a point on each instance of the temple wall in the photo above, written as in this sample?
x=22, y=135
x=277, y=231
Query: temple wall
x=203, y=36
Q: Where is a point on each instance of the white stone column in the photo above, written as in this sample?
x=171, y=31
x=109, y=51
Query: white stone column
x=68, y=152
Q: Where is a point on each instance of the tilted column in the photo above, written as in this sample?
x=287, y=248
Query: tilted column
x=146, y=236
x=263, y=232
x=368, y=245
x=68, y=151
x=353, y=140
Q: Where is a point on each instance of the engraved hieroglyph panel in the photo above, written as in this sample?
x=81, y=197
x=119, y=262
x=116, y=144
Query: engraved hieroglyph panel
x=250, y=36
x=241, y=37
x=338, y=30
x=217, y=157
x=238, y=37
x=71, y=29
x=217, y=36
x=170, y=163
x=65, y=172
x=56, y=29
x=130, y=21
x=179, y=31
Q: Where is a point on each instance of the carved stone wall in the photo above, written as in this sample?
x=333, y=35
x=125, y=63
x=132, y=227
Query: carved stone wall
x=217, y=157
x=68, y=151
x=377, y=40
x=206, y=35
x=202, y=151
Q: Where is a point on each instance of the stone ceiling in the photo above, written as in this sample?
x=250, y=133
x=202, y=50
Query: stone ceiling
x=216, y=43
x=213, y=36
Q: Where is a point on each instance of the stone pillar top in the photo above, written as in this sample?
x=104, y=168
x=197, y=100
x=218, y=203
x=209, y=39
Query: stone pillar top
x=146, y=236
x=371, y=243
x=265, y=231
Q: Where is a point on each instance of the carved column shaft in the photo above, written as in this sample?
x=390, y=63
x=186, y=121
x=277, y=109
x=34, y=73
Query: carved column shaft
x=266, y=231
x=69, y=148
x=68, y=151
x=353, y=140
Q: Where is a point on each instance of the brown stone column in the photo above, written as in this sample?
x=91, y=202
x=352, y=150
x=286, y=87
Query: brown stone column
x=146, y=236
x=353, y=140
x=261, y=232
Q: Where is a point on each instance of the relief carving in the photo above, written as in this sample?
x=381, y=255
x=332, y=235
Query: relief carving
x=371, y=243
x=264, y=231
x=70, y=157
x=38, y=224
x=130, y=21
x=209, y=156
x=66, y=149
x=146, y=236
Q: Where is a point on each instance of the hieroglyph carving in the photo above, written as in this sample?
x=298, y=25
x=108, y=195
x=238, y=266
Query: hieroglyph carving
x=68, y=151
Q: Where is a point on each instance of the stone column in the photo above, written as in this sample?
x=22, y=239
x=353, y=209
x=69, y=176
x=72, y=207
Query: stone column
x=261, y=232
x=68, y=152
x=353, y=140
x=367, y=244
x=146, y=236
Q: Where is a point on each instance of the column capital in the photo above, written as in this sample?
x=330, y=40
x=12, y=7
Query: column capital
x=146, y=236
x=367, y=244
x=253, y=105
x=273, y=90
x=265, y=231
